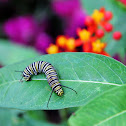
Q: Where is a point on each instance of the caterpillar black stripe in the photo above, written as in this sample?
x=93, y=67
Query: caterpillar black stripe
x=51, y=75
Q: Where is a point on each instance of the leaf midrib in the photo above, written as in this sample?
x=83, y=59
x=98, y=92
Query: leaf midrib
x=82, y=81
x=85, y=81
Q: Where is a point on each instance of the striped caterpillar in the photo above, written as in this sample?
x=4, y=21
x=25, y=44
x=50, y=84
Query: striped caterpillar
x=51, y=75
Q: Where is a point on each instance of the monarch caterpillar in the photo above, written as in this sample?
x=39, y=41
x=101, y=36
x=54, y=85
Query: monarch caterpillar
x=51, y=75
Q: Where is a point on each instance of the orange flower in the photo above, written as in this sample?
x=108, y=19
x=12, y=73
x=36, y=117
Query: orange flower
x=97, y=46
x=78, y=42
x=87, y=47
x=92, y=28
x=61, y=40
x=70, y=44
x=84, y=34
x=102, y=9
x=93, y=38
x=97, y=16
x=52, y=49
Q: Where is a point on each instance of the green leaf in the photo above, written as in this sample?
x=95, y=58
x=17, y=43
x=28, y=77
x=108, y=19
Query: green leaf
x=118, y=22
x=108, y=109
x=11, y=53
x=88, y=74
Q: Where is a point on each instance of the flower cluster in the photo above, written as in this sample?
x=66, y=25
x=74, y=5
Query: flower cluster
x=25, y=30
x=31, y=31
x=89, y=38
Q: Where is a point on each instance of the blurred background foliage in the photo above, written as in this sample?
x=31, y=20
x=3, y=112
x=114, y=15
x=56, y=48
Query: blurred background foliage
x=29, y=28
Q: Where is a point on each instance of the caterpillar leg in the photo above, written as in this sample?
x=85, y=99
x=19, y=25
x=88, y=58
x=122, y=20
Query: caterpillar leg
x=21, y=75
x=21, y=79
x=49, y=99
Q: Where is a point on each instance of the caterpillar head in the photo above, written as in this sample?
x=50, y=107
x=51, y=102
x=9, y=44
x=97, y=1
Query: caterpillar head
x=58, y=89
x=60, y=92
x=27, y=77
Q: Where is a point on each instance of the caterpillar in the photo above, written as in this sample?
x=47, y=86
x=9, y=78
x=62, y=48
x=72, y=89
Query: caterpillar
x=51, y=75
